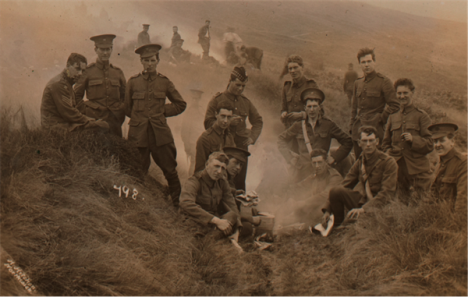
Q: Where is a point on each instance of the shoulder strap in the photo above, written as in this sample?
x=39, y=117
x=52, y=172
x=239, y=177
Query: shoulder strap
x=306, y=137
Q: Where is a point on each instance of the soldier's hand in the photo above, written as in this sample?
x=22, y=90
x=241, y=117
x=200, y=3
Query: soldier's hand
x=325, y=218
x=355, y=212
x=240, y=192
x=407, y=137
x=223, y=225
x=236, y=120
x=283, y=114
x=248, y=141
x=294, y=116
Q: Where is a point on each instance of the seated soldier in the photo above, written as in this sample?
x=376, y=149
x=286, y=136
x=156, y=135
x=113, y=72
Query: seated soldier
x=369, y=184
x=206, y=199
x=58, y=107
x=314, y=132
x=177, y=54
x=217, y=136
x=450, y=183
x=237, y=159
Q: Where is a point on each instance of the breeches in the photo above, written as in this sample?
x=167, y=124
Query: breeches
x=341, y=197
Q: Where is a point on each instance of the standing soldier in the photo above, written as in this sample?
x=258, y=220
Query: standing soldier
x=292, y=108
x=176, y=37
x=204, y=38
x=243, y=109
x=145, y=102
x=104, y=84
x=348, y=82
x=408, y=140
x=58, y=107
x=374, y=99
x=143, y=36
x=192, y=127
x=450, y=183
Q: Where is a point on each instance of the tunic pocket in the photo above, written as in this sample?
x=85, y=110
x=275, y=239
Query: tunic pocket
x=115, y=89
x=138, y=101
x=95, y=89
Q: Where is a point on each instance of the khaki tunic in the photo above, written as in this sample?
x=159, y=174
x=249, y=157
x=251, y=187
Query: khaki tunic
x=416, y=122
x=58, y=107
x=451, y=180
x=374, y=99
x=291, y=96
x=145, y=104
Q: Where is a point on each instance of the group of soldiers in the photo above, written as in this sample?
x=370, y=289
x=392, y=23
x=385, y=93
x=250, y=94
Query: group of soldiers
x=390, y=136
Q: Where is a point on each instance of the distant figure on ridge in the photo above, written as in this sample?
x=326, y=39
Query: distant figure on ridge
x=143, y=36
x=176, y=36
x=204, y=38
x=348, y=82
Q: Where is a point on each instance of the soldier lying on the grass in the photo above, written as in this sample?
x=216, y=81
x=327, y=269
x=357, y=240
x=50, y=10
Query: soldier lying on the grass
x=314, y=132
x=370, y=183
x=58, y=107
x=206, y=198
x=450, y=183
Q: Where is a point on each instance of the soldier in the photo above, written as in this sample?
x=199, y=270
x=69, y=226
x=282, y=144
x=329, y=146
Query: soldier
x=451, y=179
x=292, y=108
x=374, y=99
x=204, y=38
x=370, y=183
x=192, y=127
x=348, y=82
x=318, y=134
x=217, y=136
x=253, y=55
x=232, y=43
x=179, y=55
x=206, y=199
x=176, y=36
x=145, y=102
x=143, y=36
x=104, y=84
x=243, y=109
x=58, y=107
x=408, y=140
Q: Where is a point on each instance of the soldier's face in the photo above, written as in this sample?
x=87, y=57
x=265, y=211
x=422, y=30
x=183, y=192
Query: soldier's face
x=150, y=63
x=76, y=70
x=103, y=53
x=224, y=118
x=234, y=167
x=368, y=143
x=367, y=64
x=216, y=169
x=145, y=28
x=443, y=145
x=236, y=87
x=295, y=70
x=312, y=108
x=319, y=164
x=174, y=29
x=404, y=95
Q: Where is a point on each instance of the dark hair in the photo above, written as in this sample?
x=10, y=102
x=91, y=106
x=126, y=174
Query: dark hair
x=368, y=130
x=404, y=82
x=157, y=57
x=318, y=152
x=220, y=156
x=291, y=59
x=364, y=52
x=224, y=104
x=76, y=58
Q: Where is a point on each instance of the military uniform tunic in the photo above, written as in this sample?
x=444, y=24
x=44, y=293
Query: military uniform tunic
x=212, y=140
x=374, y=99
x=291, y=96
x=58, y=107
x=104, y=85
x=451, y=180
x=414, y=154
x=143, y=38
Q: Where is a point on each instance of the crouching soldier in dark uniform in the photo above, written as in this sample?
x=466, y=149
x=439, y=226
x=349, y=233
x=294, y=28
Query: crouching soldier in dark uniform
x=58, y=107
x=408, y=140
x=314, y=132
x=105, y=87
x=451, y=179
x=145, y=102
x=369, y=184
x=206, y=199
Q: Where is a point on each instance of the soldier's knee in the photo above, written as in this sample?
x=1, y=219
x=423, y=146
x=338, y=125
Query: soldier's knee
x=336, y=193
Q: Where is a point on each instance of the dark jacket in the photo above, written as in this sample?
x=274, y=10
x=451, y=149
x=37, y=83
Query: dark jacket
x=212, y=140
x=291, y=96
x=374, y=99
x=416, y=122
x=203, y=198
x=349, y=79
x=105, y=88
x=382, y=171
x=143, y=38
x=58, y=107
x=320, y=138
x=145, y=104
x=451, y=180
x=244, y=108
